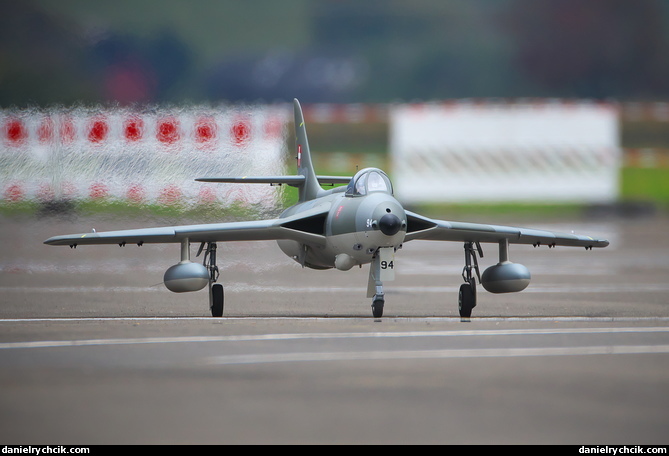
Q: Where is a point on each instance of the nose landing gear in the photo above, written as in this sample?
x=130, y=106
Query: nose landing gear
x=381, y=268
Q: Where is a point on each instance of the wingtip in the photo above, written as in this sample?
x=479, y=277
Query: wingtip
x=599, y=243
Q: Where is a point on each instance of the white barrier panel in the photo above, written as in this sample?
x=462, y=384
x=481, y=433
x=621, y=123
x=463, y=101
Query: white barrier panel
x=150, y=156
x=539, y=152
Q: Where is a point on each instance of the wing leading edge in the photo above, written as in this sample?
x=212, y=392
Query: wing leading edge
x=420, y=227
x=298, y=228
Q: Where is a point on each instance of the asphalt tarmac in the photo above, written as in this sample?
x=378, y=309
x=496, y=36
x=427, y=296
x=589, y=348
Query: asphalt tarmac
x=94, y=350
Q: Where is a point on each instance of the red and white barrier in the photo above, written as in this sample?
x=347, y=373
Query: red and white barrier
x=140, y=156
x=460, y=150
x=525, y=152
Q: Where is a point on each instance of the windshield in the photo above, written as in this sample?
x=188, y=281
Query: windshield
x=367, y=181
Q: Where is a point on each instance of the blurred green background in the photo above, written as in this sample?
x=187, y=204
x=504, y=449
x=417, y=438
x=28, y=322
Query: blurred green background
x=125, y=51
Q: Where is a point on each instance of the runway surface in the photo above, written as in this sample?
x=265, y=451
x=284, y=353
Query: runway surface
x=94, y=350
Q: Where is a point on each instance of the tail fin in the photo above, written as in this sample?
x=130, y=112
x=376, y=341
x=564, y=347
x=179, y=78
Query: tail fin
x=306, y=180
x=310, y=188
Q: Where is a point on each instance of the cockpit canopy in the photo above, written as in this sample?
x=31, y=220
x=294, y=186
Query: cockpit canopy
x=369, y=180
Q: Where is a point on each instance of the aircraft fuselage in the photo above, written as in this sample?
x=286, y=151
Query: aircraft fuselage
x=355, y=227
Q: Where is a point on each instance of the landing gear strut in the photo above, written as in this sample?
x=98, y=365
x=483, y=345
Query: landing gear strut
x=381, y=267
x=216, y=297
x=467, y=295
x=375, y=288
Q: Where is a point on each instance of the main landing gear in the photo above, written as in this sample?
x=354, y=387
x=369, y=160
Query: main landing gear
x=467, y=295
x=216, y=298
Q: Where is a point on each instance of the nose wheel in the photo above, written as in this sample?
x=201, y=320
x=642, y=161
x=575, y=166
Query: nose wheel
x=377, y=306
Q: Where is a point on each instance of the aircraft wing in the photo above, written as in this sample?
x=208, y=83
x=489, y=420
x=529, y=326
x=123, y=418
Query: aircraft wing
x=298, y=228
x=420, y=227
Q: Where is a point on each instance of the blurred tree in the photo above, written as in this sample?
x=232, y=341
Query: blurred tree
x=138, y=69
x=594, y=48
x=330, y=50
x=40, y=58
x=125, y=74
x=171, y=61
x=421, y=49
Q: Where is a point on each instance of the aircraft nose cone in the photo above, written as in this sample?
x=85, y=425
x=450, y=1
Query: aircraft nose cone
x=390, y=224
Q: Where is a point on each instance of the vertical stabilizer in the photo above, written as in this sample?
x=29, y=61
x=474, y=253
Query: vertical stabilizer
x=310, y=188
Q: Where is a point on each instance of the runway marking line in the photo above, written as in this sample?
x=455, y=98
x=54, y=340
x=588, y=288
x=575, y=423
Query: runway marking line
x=438, y=354
x=347, y=335
x=343, y=318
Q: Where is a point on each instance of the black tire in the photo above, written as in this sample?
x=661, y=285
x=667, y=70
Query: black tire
x=466, y=300
x=217, y=300
x=377, y=308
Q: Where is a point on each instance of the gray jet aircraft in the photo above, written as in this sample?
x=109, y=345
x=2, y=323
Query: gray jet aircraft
x=342, y=227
